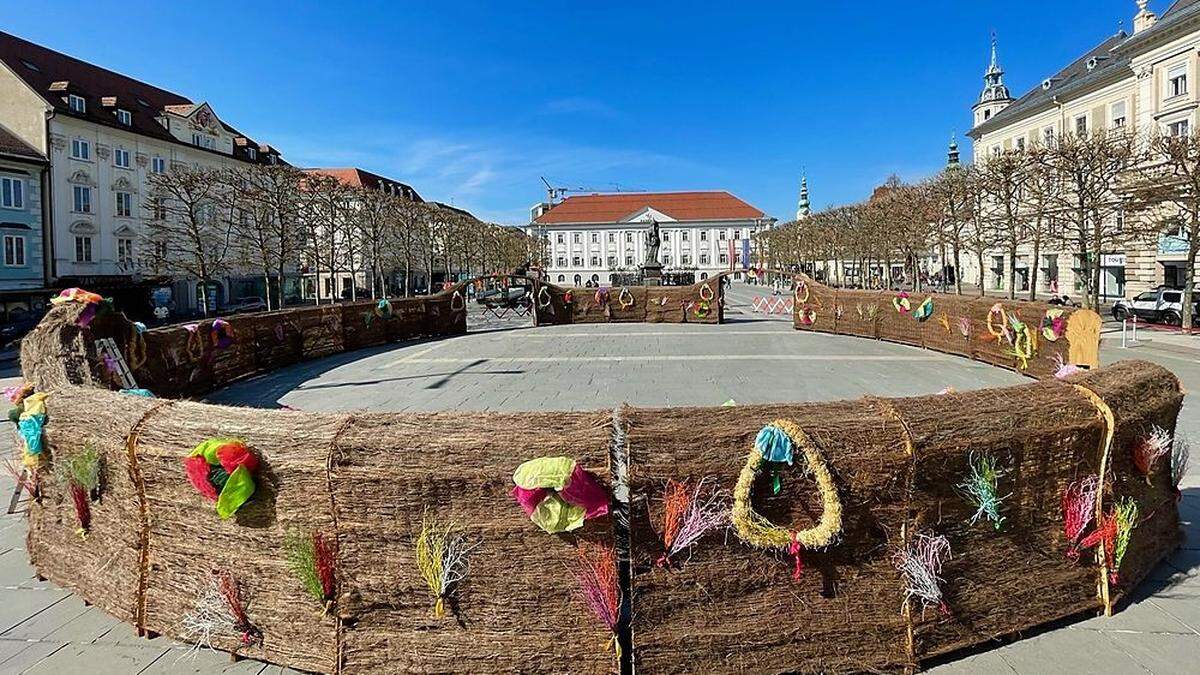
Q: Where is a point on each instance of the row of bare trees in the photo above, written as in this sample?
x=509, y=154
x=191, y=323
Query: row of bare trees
x=1086, y=195
x=277, y=221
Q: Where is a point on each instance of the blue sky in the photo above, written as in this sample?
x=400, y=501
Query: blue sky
x=470, y=102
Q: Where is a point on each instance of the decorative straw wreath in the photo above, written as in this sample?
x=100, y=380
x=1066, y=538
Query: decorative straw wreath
x=775, y=443
x=800, y=294
x=706, y=292
x=625, y=298
x=601, y=296
x=543, y=298
x=457, y=303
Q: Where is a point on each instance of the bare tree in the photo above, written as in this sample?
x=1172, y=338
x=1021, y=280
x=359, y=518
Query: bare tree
x=324, y=213
x=265, y=201
x=1003, y=180
x=951, y=192
x=1165, y=191
x=190, y=228
x=1043, y=190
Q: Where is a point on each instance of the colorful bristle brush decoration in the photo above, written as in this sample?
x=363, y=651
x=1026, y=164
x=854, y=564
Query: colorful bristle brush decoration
x=1062, y=369
x=1114, y=533
x=964, y=326
x=222, y=470
x=872, y=312
x=688, y=514
x=982, y=489
x=839, y=311
x=79, y=474
x=442, y=558
x=807, y=315
x=596, y=574
x=235, y=603
x=220, y=611
x=1148, y=449
x=924, y=310
x=920, y=564
x=557, y=494
x=1023, y=341
x=1180, y=454
x=1078, y=509
x=221, y=334
x=29, y=414
x=312, y=557
x=945, y=322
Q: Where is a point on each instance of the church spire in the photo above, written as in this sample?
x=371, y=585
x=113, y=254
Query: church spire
x=802, y=208
x=995, y=96
x=952, y=154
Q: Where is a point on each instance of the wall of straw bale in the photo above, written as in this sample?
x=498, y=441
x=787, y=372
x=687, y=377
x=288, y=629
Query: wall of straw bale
x=651, y=304
x=849, y=312
x=367, y=479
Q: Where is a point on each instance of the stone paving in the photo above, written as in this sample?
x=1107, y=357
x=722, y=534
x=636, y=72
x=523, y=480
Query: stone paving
x=753, y=359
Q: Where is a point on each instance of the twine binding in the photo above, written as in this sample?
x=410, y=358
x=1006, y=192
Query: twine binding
x=135, y=475
x=339, y=627
x=1105, y=413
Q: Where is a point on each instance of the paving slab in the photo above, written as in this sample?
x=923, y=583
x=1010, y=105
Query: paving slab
x=25, y=654
x=95, y=659
x=1069, y=651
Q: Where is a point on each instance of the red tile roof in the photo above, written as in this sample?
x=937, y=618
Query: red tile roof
x=684, y=206
x=54, y=75
x=355, y=177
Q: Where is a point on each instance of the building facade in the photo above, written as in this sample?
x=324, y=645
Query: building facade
x=587, y=238
x=22, y=267
x=1145, y=81
x=104, y=135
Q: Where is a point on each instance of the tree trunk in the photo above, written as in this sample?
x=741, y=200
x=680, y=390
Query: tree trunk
x=267, y=289
x=982, y=273
x=1034, y=263
x=956, y=250
x=1012, y=269
x=1189, y=273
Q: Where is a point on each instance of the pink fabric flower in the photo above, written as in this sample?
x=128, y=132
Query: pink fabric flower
x=529, y=499
x=197, y=472
x=584, y=490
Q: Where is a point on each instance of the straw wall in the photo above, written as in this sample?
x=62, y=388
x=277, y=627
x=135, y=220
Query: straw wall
x=957, y=325
x=650, y=304
x=367, y=479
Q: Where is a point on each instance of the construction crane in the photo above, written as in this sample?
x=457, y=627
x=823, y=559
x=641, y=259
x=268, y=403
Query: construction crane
x=553, y=193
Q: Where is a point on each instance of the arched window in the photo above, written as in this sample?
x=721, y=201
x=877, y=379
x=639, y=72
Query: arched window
x=578, y=280
x=561, y=278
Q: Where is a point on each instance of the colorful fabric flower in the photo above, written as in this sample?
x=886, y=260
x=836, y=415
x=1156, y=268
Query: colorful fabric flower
x=774, y=444
x=924, y=310
x=557, y=494
x=222, y=470
x=1054, y=324
x=221, y=334
x=902, y=303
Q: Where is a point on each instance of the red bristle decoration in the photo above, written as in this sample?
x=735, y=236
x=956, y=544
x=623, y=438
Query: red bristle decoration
x=232, y=595
x=326, y=556
x=1107, y=532
x=83, y=508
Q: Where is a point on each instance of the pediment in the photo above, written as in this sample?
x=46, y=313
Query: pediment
x=125, y=232
x=647, y=214
x=81, y=177
x=123, y=184
x=83, y=227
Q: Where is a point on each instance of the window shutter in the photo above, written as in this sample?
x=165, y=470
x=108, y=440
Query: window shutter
x=1098, y=121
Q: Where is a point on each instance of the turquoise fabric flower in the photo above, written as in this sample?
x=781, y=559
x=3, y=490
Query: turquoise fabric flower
x=774, y=444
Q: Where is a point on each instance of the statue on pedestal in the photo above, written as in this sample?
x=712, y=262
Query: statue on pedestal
x=653, y=243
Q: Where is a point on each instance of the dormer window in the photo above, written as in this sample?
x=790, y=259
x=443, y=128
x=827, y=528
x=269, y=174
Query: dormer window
x=1046, y=85
x=252, y=153
x=1177, y=81
x=76, y=104
x=124, y=117
x=30, y=66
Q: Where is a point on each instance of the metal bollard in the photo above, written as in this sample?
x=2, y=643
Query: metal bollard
x=1135, y=323
x=1124, y=328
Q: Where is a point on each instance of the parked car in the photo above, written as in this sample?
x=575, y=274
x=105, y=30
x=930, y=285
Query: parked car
x=17, y=326
x=1161, y=305
x=249, y=304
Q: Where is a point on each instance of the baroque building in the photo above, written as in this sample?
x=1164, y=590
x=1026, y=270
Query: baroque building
x=104, y=134
x=587, y=238
x=1146, y=81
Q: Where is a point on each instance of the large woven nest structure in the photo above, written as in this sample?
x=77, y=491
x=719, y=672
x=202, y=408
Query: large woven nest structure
x=887, y=472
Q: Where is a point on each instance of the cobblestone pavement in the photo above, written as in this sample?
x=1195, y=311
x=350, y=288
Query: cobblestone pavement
x=753, y=359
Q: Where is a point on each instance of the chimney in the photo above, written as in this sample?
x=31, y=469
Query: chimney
x=1144, y=18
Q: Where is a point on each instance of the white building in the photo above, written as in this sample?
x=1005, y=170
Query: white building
x=1145, y=81
x=104, y=135
x=589, y=237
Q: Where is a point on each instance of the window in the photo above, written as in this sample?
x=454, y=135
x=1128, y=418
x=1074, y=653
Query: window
x=1172, y=297
x=612, y=237
x=76, y=104
x=666, y=236
x=1081, y=125
x=124, y=117
x=576, y=238
x=124, y=205
x=723, y=259
x=1177, y=81
x=125, y=251
x=561, y=261
x=1021, y=144
x=685, y=259
x=628, y=261
x=204, y=141
x=158, y=208
x=595, y=237
x=252, y=153
x=82, y=199
x=628, y=237
x=12, y=193
x=83, y=249
x=158, y=165
x=612, y=261
x=703, y=257
x=562, y=278
x=595, y=261
x=576, y=261
x=559, y=238
x=1048, y=135
x=666, y=259
x=160, y=251
x=121, y=158
x=987, y=115
x=683, y=235
x=1117, y=114
x=703, y=235
x=1179, y=128
x=721, y=235
x=14, y=250
x=995, y=151
x=81, y=149
x=737, y=234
